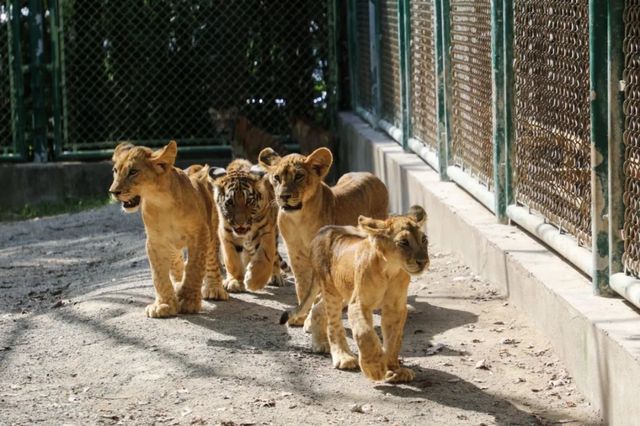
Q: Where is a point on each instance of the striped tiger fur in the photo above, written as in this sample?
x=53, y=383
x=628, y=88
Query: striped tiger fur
x=247, y=228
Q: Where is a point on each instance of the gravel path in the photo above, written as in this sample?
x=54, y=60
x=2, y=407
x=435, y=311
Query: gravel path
x=76, y=348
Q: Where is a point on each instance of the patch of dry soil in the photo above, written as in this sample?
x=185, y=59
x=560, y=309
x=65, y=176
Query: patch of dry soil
x=76, y=348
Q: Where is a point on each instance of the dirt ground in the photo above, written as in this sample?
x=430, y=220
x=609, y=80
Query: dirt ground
x=76, y=348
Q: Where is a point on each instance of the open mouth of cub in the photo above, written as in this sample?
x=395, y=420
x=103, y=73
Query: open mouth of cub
x=289, y=207
x=134, y=202
x=241, y=230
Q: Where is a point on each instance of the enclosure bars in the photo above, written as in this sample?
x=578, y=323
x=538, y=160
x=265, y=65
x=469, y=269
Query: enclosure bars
x=604, y=262
x=39, y=130
x=625, y=285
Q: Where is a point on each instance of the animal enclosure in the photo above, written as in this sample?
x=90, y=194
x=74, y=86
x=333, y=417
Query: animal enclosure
x=529, y=105
x=92, y=73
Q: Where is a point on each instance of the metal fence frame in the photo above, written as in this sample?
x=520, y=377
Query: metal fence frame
x=603, y=260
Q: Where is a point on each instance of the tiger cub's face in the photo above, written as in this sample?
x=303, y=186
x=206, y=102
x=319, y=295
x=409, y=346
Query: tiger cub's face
x=242, y=199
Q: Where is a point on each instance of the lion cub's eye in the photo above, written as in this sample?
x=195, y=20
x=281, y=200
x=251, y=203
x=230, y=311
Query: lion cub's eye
x=276, y=178
x=404, y=243
x=133, y=172
x=298, y=176
x=425, y=241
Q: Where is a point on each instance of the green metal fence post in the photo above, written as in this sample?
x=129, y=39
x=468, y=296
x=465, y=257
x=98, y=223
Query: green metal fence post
x=56, y=77
x=498, y=108
x=16, y=82
x=509, y=90
x=615, y=137
x=599, y=144
x=374, y=46
x=333, y=92
x=36, y=27
x=442, y=33
x=353, y=49
x=404, y=36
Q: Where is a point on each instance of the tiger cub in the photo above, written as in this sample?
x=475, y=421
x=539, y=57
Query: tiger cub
x=247, y=228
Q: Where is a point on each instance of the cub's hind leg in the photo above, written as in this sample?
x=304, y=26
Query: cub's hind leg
x=177, y=268
x=212, y=288
x=341, y=355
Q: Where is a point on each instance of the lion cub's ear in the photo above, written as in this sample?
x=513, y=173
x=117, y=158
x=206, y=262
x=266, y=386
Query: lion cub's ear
x=373, y=227
x=418, y=214
x=268, y=158
x=320, y=161
x=120, y=149
x=165, y=158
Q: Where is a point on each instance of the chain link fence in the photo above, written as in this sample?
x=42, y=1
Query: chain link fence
x=363, y=56
x=423, y=73
x=631, y=257
x=150, y=71
x=390, y=63
x=6, y=134
x=552, y=148
x=471, y=93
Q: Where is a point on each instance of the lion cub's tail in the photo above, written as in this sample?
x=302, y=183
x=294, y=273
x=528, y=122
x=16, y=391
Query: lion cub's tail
x=301, y=311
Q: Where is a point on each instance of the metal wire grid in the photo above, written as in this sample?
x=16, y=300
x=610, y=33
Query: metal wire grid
x=552, y=149
x=423, y=73
x=150, y=71
x=390, y=62
x=471, y=92
x=6, y=136
x=631, y=257
x=363, y=55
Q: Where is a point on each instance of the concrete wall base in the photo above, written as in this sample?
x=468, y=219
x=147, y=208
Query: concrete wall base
x=597, y=338
x=37, y=183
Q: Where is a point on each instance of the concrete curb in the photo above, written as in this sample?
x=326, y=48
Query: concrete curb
x=597, y=338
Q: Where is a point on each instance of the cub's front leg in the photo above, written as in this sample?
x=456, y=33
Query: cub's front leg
x=160, y=260
x=302, y=271
x=212, y=288
x=260, y=267
x=189, y=290
x=371, y=357
x=394, y=316
x=234, y=282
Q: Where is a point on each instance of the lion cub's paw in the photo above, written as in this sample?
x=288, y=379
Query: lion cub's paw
x=399, y=375
x=375, y=370
x=190, y=305
x=161, y=310
x=277, y=280
x=233, y=286
x=295, y=321
x=344, y=361
x=214, y=293
x=320, y=346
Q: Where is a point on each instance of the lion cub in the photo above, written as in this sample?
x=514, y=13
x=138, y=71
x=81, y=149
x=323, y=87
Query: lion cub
x=307, y=204
x=178, y=213
x=367, y=267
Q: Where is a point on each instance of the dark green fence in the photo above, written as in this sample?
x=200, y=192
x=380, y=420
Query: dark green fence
x=532, y=106
x=101, y=72
x=12, y=122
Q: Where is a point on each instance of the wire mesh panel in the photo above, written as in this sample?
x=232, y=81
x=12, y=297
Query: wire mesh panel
x=151, y=70
x=471, y=75
x=423, y=73
x=6, y=134
x=363, y=55
x=390, y=62
x=552, y=158
x=631, y=257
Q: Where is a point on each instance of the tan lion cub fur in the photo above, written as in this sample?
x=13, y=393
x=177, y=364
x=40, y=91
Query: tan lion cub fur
x=367, y=268
x=178, y=213
x=307, y=204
